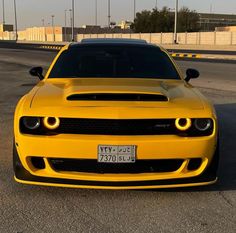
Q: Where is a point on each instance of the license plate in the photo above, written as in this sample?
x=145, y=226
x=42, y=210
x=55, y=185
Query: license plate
x=116, y=154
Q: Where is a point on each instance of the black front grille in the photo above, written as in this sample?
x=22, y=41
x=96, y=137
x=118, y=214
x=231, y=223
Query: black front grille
x=92, y=166
x=117, y=127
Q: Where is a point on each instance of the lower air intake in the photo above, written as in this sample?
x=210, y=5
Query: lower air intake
x=92, y=166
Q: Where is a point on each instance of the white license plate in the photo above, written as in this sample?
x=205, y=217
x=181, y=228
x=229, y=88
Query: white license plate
x=116, y=154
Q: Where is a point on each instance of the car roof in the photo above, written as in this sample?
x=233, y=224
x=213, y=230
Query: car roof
x=110, y=41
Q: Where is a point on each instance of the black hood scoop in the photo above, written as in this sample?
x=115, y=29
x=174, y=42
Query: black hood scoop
x=117, y=97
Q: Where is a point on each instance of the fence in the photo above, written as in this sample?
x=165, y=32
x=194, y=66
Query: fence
x=193, y=38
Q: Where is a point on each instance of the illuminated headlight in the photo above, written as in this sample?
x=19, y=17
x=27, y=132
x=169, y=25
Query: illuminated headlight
x=202, y=124
x=51, y=122
x=183, y=124
x=31, y=122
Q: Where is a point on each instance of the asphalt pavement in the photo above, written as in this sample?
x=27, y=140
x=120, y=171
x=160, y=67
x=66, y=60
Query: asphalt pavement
x=29, y=209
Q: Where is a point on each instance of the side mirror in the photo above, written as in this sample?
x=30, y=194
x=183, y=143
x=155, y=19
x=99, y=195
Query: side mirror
x=191, y=73
x=37, y=71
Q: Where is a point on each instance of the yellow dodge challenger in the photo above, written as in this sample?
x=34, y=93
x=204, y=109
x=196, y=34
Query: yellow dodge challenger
x=115, y=114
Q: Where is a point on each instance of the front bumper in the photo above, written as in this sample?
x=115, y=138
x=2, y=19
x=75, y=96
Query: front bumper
x=207, y=177
x=24, y=177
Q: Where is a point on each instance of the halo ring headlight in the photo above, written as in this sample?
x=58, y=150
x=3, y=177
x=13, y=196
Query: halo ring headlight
x=183, y=124
x=31, y=123
x=51, y=122
x=202, y=124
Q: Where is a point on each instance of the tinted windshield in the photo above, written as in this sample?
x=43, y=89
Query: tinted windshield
x=114, y=61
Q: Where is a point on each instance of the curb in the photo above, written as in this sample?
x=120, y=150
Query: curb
x=50, y=47
x=185, y=55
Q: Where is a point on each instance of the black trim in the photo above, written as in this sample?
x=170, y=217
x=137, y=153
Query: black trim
x=114, y=43
x=210, y=174
x=119, y=127
x=118, y=97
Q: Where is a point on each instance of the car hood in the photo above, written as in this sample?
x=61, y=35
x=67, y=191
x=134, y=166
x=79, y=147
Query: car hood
x=68, y=92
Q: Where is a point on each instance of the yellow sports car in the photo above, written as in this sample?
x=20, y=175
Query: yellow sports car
x=115, y=114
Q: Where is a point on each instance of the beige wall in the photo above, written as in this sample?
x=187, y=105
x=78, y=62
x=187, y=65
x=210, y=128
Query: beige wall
x=193, y=38
x=7, y=36
x=45, y=34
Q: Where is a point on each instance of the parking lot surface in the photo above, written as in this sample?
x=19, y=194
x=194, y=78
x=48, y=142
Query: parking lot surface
x=32, y=209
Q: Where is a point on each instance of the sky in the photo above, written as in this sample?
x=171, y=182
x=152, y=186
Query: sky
x=31, y=12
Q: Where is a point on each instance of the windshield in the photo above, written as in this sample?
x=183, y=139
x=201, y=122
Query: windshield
x=109, y=61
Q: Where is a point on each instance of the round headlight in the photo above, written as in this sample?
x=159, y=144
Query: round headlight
x=51, y=122
x=183, y=123
x=202, y=124
x=31, y=122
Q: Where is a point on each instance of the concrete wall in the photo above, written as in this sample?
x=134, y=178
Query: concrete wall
x=48, y=34
x=7, y=35
x=193, y=38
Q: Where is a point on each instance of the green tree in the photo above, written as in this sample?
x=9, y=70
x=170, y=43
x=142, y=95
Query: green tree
x=163, y=21
x=188, y=20
x=142, y=22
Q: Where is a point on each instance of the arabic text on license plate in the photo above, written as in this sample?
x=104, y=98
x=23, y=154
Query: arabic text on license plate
x=116, y=154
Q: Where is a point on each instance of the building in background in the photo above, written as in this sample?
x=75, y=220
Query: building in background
x=226, y=29
x=60, y=34
x=124, y=25
x=208, y=22
x=6, y=28
x=6, y=32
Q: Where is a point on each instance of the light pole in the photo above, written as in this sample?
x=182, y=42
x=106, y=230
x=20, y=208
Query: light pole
x=109, y=13
x=44, y=30
x=3, y=12
x=73, y=21
x=53, y=31
x=96, y=12
x=134, y=9
x=65, y=25
x=176, y=20
x=156, y=5
x=70, y=10
x=15, y=20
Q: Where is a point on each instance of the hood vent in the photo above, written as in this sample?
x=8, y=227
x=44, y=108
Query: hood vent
x=117, y=97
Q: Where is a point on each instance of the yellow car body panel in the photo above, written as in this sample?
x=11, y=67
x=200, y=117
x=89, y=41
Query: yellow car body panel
x=49, y=99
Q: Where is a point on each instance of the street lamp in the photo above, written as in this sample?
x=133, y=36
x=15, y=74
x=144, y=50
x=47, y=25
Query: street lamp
x=15, y=20
x=3, y=12
x=65, y=25
x=109, y=13
x=44, y=30
x=73, y=21
x=96, y=12
x=70, y=10
x=176, y=20
x=134, y=9
x=53, y=31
